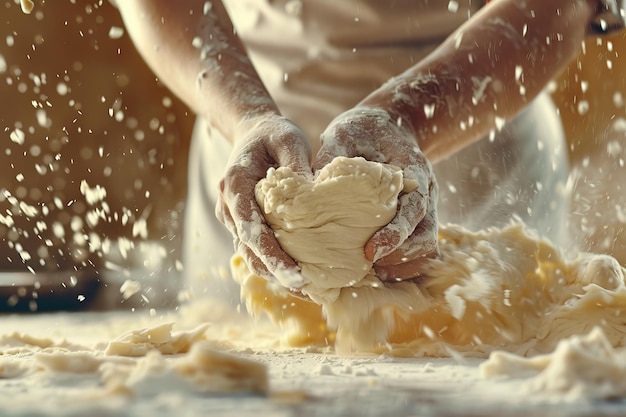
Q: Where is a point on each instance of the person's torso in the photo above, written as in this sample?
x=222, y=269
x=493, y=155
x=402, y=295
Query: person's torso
x=320, y=57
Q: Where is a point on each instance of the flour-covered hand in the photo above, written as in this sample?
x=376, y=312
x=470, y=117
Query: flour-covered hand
x=260, y=144
x=372, y=133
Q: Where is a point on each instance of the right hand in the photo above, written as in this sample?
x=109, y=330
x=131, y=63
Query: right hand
x=399, y=248
x=262, y=142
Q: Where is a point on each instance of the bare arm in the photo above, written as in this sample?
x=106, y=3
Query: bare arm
x=481, y=76
x=192, y=47
x=486, y=72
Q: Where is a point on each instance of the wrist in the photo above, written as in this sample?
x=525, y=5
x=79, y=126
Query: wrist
x=232, y=92
x=400, y=97
x=426, y=102
x=261, y=120
x=262, y=109
x=238, y=113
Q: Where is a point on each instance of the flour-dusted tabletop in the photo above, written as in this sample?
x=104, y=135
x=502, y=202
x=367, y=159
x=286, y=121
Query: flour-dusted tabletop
x=302, y=382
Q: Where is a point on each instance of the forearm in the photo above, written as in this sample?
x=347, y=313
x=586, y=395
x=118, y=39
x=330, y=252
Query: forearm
x=192, y=47
x=486, y=72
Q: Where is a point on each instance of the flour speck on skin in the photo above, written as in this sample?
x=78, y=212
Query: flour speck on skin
x=480, y=86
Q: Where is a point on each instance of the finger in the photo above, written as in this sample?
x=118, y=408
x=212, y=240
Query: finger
x=291, y=149
x=339, y=139
x=330, y=149
x=407, y=270
x=222, y=213
x=255, y=265
x=422, y=242
x=300, y=295
x=290, y=279
x=247, y=221
x=287, y=276
x=349, y=146
x=411, y=210
x=412, y=207
x=296, y=156
x=259, y=237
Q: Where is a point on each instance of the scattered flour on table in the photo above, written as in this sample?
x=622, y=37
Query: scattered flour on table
x=584, y=366
x=142, y=362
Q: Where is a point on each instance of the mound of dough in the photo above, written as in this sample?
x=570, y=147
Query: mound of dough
x=580, y=367
x=491, y=290
x=143, y=362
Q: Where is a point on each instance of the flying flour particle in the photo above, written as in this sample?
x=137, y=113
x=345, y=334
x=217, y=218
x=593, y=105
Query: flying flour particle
x=27, y=6
x=130, y=288
x=116, y=32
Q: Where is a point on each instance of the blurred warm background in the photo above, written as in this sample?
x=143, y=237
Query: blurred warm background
x=81, y=115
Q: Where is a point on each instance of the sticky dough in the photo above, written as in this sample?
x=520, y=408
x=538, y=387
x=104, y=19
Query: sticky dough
x=490, y=290
x=325, y=223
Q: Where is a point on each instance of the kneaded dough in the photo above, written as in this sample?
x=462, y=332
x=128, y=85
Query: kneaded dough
x=490, y=290
x=325, y=223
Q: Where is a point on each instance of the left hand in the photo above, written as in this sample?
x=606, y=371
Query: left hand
x=399, y=248
x=261, y=142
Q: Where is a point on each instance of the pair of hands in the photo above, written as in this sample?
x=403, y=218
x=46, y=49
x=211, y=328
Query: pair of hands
x=272, y=140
